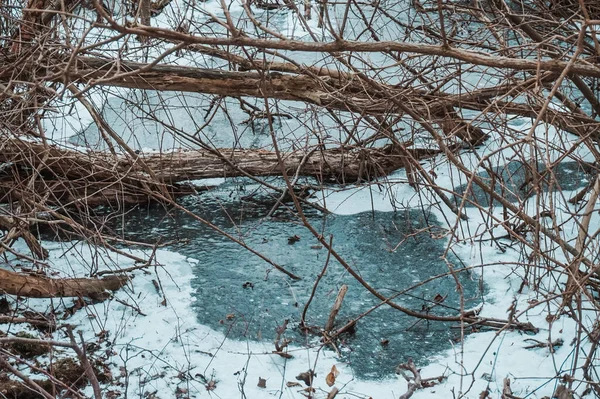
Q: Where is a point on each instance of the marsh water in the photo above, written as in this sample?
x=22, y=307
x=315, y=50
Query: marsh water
x=240, y=294
x=243, y=296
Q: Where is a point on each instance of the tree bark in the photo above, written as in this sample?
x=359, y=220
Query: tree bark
x=334, y=91
x=94, y=178
x=43, y=287
x=345, y=93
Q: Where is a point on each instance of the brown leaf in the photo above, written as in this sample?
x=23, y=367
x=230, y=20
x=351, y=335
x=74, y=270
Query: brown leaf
x=562, y=392
x=335, y=371
x=291, y=384
x=113, y=394
x=262, y=383
x=330, y=379
x=307, y=377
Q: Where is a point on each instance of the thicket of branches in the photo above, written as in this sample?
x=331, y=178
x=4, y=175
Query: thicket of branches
x=361, y=89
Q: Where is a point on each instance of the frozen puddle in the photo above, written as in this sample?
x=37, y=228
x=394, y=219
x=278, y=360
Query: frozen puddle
x=238, y=294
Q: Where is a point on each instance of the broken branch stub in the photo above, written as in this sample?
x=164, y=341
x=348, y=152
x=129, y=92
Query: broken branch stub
x=336, y=308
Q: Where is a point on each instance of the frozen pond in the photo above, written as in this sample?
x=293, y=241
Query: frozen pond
x=239, y=294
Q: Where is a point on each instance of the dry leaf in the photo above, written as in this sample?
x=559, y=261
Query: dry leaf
x=307, y=377
x=562, y=392
x=330, y=379
x=262, y=383
x=230, y=316
x=291, y=384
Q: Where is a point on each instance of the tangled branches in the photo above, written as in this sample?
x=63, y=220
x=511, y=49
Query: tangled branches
x=480, y=107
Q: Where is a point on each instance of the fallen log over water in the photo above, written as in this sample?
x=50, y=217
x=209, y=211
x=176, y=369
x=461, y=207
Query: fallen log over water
x=67, y=177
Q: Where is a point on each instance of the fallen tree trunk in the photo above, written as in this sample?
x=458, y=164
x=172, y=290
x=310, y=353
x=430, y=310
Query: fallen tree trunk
x=340, y=92
x=70, y=193
x=33, y=286
x=343, y=92
x=70, y=177
x=343, y=166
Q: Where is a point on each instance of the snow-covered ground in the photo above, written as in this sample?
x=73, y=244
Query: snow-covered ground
x=165, y=350
x=156, y=347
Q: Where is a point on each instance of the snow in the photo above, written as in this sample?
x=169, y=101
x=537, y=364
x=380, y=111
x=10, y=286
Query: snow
x=166, y=350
